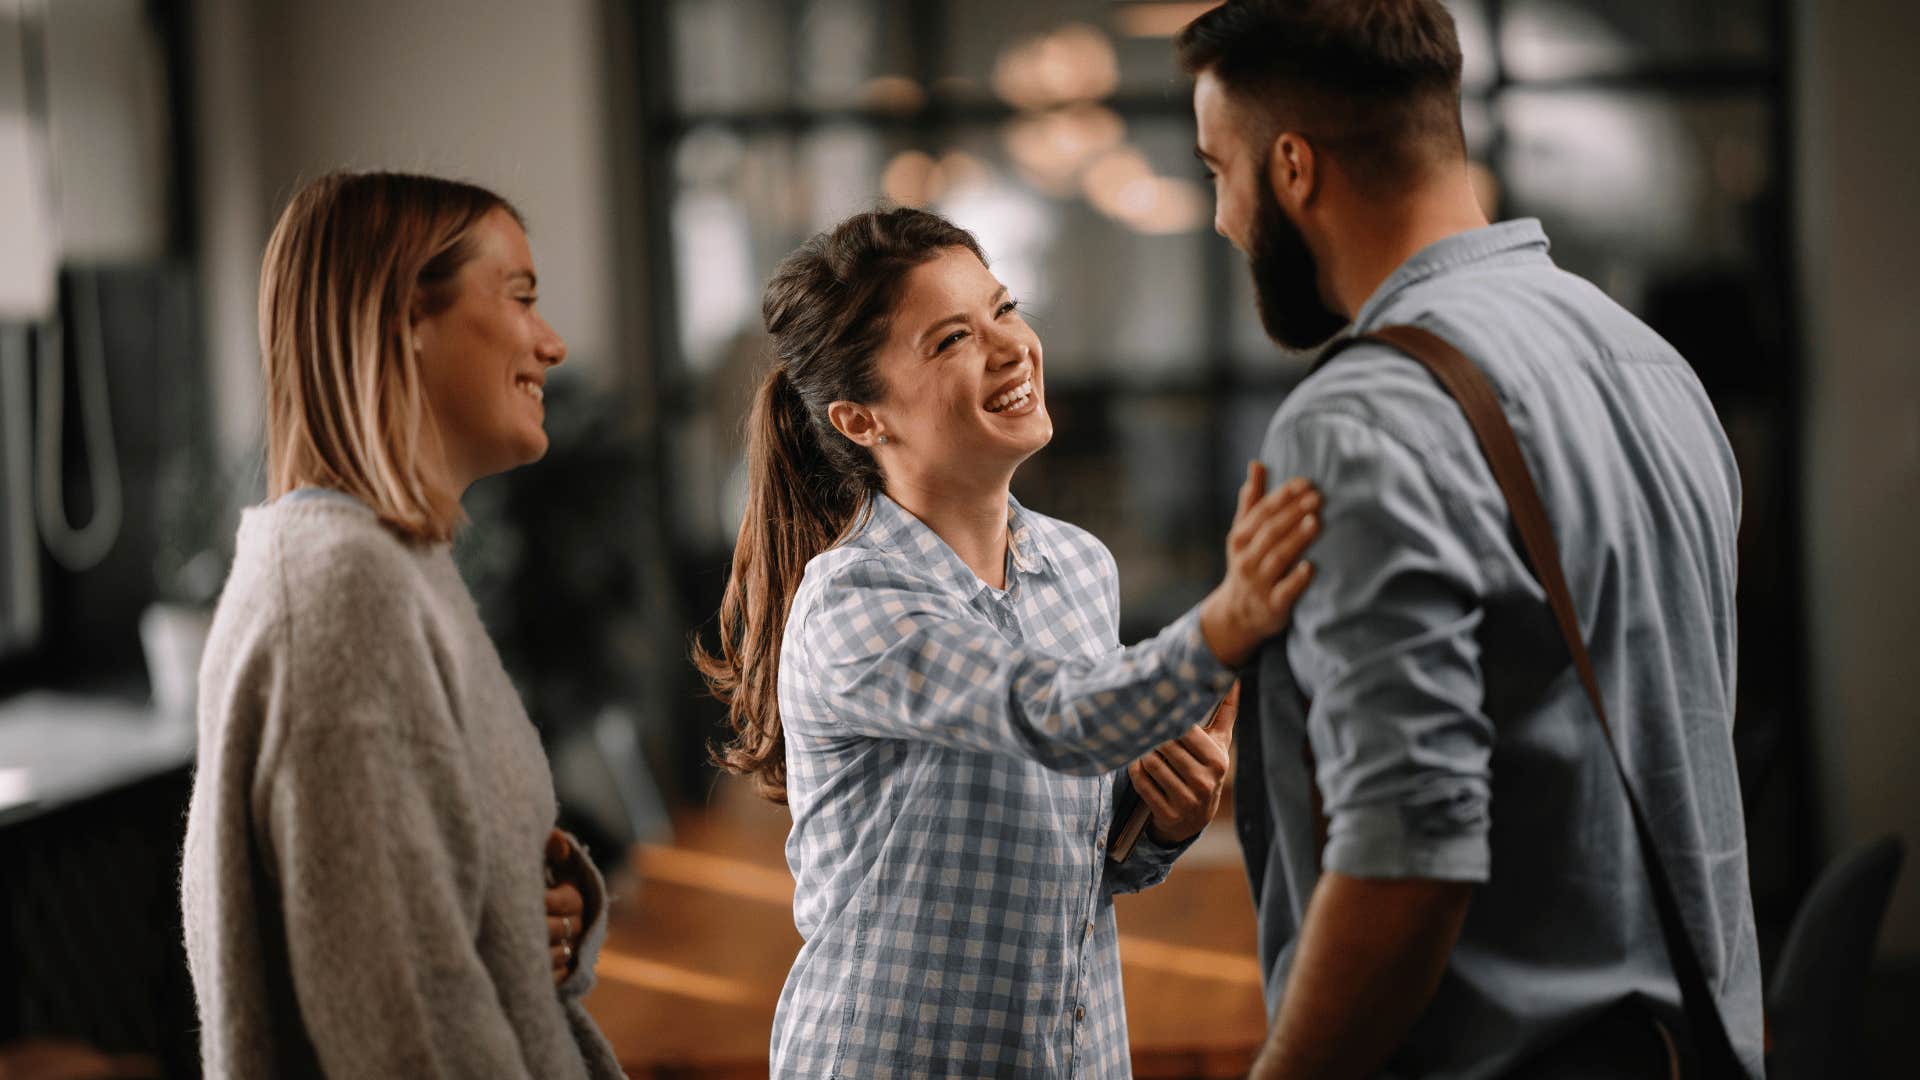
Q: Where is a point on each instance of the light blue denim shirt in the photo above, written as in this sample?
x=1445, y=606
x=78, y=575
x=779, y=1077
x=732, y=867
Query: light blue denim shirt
x=952, y=751
x=1451, y=736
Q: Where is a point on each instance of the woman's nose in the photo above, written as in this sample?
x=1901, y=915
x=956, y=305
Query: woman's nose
x=551, y=348
x=1008, y=350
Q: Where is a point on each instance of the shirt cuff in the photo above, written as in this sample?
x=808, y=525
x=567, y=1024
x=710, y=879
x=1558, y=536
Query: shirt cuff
x=1147, y=864
x=1157, y=854
x=1390, y=842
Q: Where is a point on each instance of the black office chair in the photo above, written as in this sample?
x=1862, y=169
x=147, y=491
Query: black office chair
x=1813, y=1002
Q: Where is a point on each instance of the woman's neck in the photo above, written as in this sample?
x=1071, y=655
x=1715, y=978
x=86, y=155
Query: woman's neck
x=446, y=485
x=973, y=522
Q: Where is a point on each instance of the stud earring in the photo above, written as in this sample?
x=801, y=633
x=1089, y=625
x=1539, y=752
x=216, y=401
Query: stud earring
x=882, y=440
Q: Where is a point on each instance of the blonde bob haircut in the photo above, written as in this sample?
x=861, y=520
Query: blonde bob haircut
x=353, y=260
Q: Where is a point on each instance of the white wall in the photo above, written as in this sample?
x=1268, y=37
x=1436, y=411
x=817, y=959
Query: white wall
x=1859, y=218
x=91, y=184
x=107, y=98
x=507, y=94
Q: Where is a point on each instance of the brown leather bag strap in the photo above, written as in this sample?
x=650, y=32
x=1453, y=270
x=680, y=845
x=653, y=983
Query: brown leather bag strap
x=1468, y=386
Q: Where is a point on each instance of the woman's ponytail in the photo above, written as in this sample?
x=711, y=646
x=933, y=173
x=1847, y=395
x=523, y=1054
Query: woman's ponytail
x=827, y=309
x=789, y=519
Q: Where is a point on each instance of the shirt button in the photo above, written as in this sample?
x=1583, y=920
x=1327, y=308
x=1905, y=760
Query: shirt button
x=1080, y=1013
x=1089, y=927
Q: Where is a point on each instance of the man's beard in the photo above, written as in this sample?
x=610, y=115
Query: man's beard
x=1285, y=279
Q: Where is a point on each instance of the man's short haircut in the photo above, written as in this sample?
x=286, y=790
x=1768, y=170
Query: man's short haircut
x=1374, y=83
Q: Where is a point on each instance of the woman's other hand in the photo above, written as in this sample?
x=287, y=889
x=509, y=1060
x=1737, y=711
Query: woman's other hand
x=566, y=906
x=1265, y=574
x=1181, y=781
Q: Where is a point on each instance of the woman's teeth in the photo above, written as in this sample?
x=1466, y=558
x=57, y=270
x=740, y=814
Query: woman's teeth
x=1012, y=398
x=531, y=389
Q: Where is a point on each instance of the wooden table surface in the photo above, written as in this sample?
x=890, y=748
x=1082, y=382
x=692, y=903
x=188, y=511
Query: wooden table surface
x=701, y=937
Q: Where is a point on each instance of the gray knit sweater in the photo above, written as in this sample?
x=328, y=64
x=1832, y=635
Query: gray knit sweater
x=363, y=882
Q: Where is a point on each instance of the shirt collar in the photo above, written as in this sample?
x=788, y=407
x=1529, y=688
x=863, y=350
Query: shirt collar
x=890, y=527
x=1519, y=240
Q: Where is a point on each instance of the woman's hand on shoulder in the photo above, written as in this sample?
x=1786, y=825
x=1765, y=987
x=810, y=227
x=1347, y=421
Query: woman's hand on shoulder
x=1265, y=574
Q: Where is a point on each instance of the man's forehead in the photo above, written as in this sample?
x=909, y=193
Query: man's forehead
x=1219, y=115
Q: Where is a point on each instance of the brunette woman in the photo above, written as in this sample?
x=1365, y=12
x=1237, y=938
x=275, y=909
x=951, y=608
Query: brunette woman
x=930, y=675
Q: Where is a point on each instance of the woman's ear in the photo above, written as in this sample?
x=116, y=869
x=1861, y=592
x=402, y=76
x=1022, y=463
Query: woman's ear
x=413, y=326
x=856, y=422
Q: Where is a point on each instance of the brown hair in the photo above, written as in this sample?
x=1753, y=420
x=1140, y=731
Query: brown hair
x=828, y=309
x=1374, y=83
x=353, y=256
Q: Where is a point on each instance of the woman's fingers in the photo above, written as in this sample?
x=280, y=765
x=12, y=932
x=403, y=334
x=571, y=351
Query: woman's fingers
x=564, y=901
x=1248, y=521
x=1220, y=724
x=1193, y=763
x=1281, y=513
x=1236, y=616
x=1254, y=486
x=1246, y=531
x=1287, y=592
x=1287, y=549
x=1182, y=797
x=559, y=848
x=1163, y=805
x=1287, y=532
x=1209, y=749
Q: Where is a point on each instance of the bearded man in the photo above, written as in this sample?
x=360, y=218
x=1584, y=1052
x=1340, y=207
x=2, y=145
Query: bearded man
x=1446, y=869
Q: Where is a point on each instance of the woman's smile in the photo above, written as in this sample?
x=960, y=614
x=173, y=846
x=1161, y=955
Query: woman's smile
x=1017, y=400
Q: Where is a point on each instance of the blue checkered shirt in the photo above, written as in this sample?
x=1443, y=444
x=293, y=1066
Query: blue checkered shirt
x=954, y=756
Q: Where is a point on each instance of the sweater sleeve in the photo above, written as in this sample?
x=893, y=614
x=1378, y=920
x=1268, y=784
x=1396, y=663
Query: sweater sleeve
x=379, y=910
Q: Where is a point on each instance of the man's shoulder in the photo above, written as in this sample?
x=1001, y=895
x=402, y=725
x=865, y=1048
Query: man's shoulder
x=1373, y=387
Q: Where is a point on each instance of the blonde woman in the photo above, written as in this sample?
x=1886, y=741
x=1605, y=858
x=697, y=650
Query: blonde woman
x=363, y=878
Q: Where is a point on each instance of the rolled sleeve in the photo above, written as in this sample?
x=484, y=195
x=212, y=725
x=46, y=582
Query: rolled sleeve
x=1384, y=643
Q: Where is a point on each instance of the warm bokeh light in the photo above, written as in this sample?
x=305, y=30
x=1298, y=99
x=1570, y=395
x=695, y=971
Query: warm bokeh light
x=1054, y=146
x=1122, y=185
x=959, y=171
x=1074, y=63
x=914, y=178
x=1118, y=181
x=1158, y=18
x=908, y=178
x=893, y=93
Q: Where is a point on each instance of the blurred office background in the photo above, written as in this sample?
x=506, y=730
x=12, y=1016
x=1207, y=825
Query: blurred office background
x=1739, y=172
